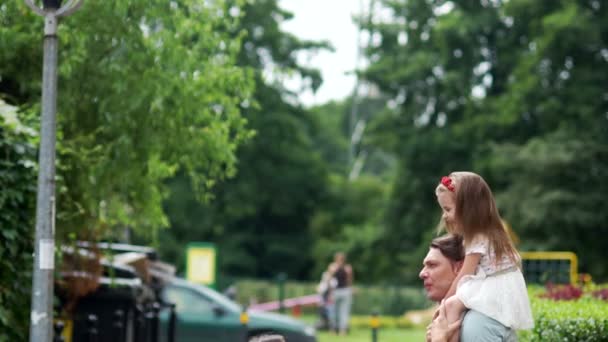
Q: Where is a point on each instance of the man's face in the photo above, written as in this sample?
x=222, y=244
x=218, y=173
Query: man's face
x=438, y=272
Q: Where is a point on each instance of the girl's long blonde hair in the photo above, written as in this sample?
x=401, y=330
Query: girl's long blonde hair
x=476, y=212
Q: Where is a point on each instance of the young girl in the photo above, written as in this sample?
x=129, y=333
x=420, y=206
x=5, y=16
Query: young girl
x=490, y=280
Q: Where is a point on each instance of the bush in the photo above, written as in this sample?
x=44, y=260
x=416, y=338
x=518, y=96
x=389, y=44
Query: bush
x=568, y=313
x=390, y=322
x=601, y=294
x=17, y=200
x=563, y=292
x=582, y=320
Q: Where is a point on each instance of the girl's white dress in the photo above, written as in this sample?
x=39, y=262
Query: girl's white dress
x=497, y=289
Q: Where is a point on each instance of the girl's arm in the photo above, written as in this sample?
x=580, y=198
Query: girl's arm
x=469, y=266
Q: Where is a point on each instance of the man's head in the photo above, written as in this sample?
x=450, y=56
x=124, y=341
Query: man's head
x=340, y=258
x=441, y=265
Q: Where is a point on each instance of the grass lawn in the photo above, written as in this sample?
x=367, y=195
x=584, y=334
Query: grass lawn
x=384, y=335
x=365, y=335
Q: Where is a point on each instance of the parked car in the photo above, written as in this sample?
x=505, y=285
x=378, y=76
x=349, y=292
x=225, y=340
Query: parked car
x=101, y=298
x=204, y=314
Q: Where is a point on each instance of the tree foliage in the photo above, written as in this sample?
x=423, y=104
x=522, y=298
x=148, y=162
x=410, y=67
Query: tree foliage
x=260, y=218
x=512, y=90
x=145, y=89
x=176, y=114
x=17, y=199
x=352, y=215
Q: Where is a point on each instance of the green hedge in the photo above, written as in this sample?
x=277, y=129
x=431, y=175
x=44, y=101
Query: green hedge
x=388, y=322
x=585, y=319
x=17, y=204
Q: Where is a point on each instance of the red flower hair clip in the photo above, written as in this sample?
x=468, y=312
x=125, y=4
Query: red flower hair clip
x=447, y=182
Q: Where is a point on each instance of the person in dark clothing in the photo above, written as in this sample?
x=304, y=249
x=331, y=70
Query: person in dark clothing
x=342, y=294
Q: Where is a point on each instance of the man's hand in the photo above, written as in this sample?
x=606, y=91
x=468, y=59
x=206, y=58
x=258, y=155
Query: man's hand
x=440, y=329
x=436, y=313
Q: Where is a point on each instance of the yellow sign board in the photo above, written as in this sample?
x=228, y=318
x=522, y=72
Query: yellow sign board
x=201, y=263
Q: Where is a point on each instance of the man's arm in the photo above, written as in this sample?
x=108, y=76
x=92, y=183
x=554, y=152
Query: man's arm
x=439, y=330
x=477, y=327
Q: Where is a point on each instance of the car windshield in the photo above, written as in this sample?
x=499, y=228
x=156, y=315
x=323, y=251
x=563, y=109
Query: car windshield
x=220, y=298
x=211, y=295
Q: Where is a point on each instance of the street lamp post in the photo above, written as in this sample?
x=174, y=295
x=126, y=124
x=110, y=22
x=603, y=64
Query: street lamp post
x=41, y=316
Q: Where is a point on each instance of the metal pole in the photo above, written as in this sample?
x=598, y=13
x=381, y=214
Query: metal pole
x=281, y=283
x=172, y=323
x=44, y=260
x=374, y=323
x=41, y=316
x=244, y=318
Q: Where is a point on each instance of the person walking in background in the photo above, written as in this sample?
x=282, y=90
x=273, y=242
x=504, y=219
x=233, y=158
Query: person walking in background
x=325, y=291
x=343, y=295
x=490, y=280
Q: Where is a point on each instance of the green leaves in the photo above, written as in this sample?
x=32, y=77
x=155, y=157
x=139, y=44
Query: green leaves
x=580, y=320
x=513, y=90
x=17, y=199
x=259, y=218
x=145, y=89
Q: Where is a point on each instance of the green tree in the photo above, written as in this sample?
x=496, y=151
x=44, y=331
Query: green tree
x=344, y=135
x=423, y=63
x=351, y=218
x=491, y=86
x=554, y=177
x=17, y=200
x=260, y=218
x=145, y=89
x=351, y=221
x=331, y=139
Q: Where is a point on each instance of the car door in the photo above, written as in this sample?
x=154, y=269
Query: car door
x=199, y=318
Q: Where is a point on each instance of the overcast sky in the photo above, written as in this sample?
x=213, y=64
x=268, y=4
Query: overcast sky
x=327, y=20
